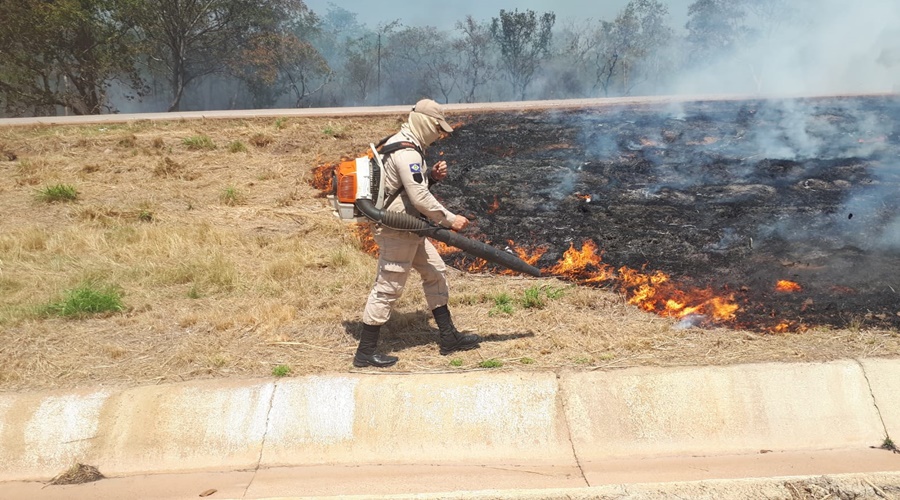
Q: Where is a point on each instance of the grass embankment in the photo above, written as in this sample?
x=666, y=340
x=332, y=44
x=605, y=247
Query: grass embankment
x=166, y=251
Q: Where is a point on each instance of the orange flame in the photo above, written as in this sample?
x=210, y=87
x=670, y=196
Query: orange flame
x=781, y=327
x=443, y=248
x=787, y=286
x=322, y=177
x=652, y=292
x=586, y=197
x=363, y=233
x=494, y=206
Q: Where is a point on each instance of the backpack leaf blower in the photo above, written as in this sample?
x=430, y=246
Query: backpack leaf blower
x=359, y=196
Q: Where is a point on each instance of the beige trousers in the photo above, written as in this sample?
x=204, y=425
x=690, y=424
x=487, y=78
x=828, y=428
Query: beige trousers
x=400, y=251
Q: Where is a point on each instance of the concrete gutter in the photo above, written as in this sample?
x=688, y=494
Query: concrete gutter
x=576, y=421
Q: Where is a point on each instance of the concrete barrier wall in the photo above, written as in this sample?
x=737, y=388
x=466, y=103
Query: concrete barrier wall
x=718, y=410
x=467, y=418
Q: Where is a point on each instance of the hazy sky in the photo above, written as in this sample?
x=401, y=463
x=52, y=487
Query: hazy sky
x=444, y=14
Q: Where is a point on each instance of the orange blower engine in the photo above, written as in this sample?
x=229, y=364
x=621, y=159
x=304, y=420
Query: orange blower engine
x=354, y=180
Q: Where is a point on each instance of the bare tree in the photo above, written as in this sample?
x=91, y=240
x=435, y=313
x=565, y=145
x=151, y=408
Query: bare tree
x=475, y=67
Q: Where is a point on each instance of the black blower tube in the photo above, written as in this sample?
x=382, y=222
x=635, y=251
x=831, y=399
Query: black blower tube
x=406, y=222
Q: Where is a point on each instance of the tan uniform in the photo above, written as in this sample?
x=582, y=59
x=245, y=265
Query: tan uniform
x=400, y=251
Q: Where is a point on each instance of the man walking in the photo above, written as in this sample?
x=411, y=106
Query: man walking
x=407, y=179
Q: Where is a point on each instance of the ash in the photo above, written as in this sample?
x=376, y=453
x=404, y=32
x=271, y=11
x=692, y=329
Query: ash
x=727, y=195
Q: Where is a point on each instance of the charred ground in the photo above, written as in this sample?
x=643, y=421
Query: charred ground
x=731, y=196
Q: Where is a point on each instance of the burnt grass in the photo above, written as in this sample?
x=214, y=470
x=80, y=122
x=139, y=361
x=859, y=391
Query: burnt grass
x=727, y=195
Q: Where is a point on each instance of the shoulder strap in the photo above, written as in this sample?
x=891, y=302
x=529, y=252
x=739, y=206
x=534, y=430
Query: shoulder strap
x=385, y=150
x=397, y=146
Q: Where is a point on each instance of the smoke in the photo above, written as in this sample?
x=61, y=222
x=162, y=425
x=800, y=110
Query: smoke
x=809, y=47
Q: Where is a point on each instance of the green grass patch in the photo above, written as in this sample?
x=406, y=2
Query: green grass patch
x=491, y=363
x=85, y=300
x=237, y=147
x=456, y=362
x=526, y=361
x=58, y=193
x=281, y=370
x=231, y=196
x=533, y=298
x=503, y=304
x=198, y=142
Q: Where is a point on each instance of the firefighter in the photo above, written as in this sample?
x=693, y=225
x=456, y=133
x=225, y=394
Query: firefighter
x=407, y=179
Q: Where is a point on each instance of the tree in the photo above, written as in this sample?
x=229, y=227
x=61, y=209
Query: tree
x=714, y=27
x=475, y=68
x=188, y=39
x=284, y=61
x=524, y=41
x=419, y=62
x=363, y=63
x=64, y=53
x=629, y=47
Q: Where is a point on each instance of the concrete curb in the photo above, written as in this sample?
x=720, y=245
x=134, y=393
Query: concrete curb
x=524, y=418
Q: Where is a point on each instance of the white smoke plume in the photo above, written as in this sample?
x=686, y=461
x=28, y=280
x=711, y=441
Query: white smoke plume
x=815, y=47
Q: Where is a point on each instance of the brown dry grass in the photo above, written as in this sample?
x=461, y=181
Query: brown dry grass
x=230, y=264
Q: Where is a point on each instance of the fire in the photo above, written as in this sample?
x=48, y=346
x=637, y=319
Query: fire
x=529, y=255
x=787, y=286
x=586, y=197
x=322, y=177
x=494, y=206
x=652, y=292
x=363, y=233
x=443, y=248
x=578, y=263
x=781, y=327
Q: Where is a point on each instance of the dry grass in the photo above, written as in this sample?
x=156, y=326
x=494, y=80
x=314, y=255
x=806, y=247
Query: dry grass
x=220, y=289
x=78, y=474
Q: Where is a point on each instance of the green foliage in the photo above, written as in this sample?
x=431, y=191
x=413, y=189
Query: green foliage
x=456, y=362
x=58, y=193
x=89, y=298
x=526, y=361
x=145, y=216
x=888, y=444
x=491, y=363
x=281, y=370
x=198, y=142
x=64, y=53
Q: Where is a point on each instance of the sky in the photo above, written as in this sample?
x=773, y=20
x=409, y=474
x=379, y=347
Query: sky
x=444, y=14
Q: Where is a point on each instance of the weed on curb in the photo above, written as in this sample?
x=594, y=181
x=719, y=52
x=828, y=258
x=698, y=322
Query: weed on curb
x=491, y=363
x=281, y=371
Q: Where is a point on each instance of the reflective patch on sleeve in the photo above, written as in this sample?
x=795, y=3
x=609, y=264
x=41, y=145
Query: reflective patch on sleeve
x=415, y=167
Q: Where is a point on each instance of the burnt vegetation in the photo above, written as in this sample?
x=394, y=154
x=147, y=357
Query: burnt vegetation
x=728, y=197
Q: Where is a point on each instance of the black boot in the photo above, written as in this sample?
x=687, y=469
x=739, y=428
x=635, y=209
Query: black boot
x=451, y=339
x=365, y=353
